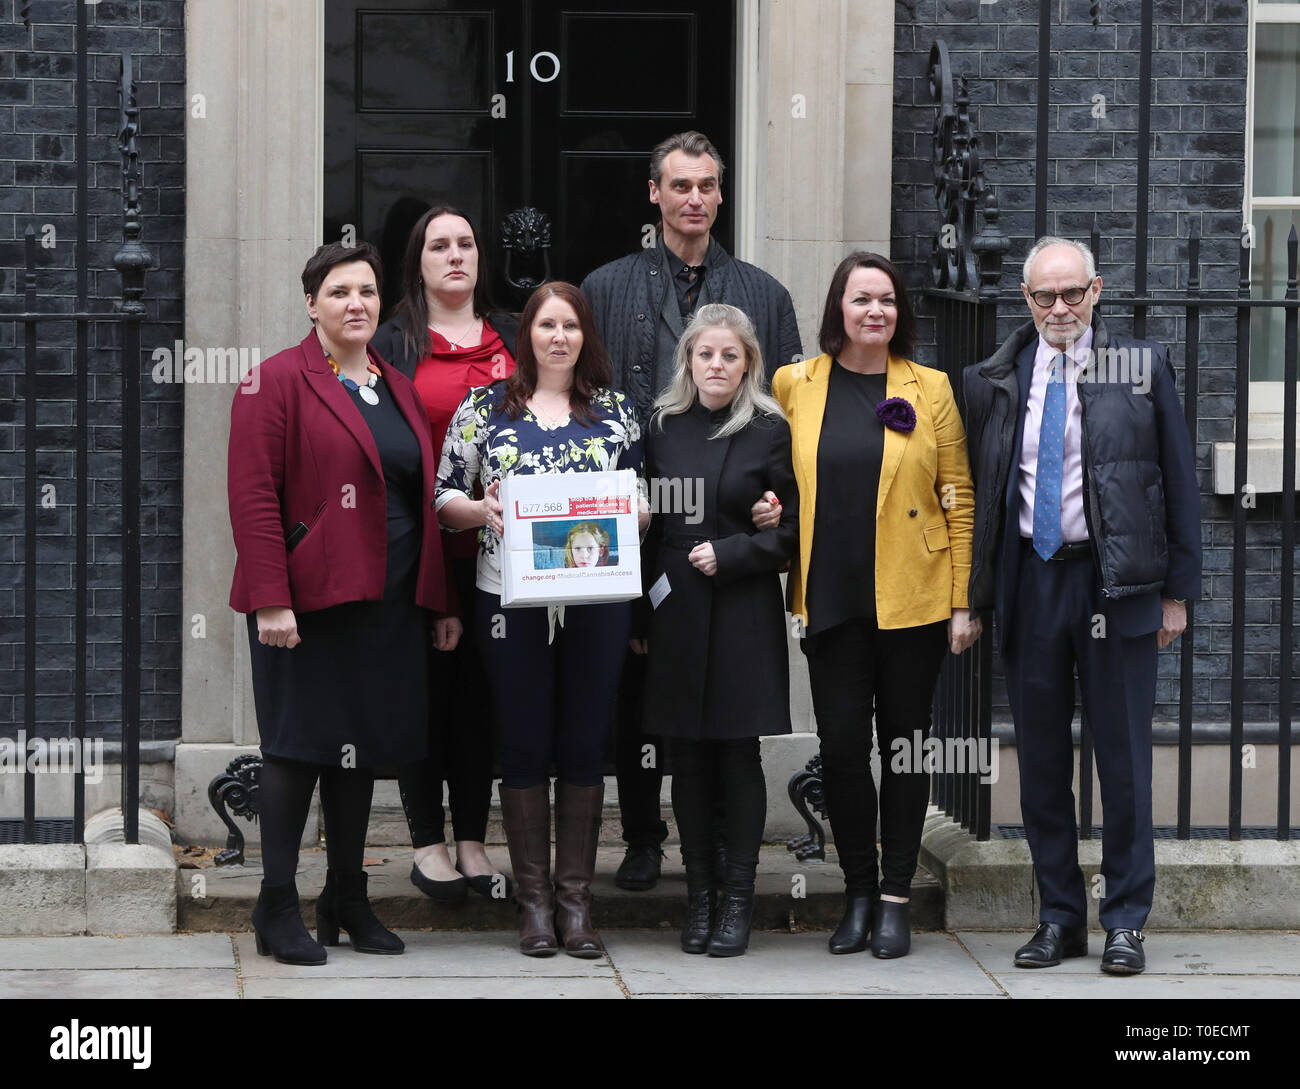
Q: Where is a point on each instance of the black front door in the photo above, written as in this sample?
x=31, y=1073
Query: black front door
x=502, y=105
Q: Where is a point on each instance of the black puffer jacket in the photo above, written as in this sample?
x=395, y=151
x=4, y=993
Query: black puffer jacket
x=628, y=297
x=1140, y=494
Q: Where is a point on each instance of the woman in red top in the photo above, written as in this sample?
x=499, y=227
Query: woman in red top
x=445, y=335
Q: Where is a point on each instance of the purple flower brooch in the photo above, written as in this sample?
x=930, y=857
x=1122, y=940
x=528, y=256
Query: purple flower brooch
x=897, y=414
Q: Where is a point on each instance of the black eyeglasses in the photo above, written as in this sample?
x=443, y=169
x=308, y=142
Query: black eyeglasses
x=1071, y=295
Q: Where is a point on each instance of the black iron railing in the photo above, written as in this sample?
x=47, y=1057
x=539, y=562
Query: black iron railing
x=965, y=310
x=131, y=261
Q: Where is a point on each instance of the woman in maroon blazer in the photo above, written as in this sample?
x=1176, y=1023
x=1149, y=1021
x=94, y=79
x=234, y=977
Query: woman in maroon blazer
x=331, y=477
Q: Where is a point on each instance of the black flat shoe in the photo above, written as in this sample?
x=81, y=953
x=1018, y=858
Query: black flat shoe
x=440, y=892
x=486, y=884
x=855, y=928
x=1124, y=955
x=891, y=935
x=1052, y=943
x=639, y=870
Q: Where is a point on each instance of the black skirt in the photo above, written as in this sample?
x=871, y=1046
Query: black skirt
x=353, y=693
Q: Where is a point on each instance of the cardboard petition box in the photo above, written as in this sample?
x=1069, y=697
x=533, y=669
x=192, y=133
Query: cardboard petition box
x=570, y=538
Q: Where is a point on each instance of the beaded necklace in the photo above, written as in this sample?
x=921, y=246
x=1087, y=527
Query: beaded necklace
x=367, y=391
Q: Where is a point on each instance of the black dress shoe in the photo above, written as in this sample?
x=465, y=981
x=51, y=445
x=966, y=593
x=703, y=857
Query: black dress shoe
x=1123, y=955
x=855, y=928
x=486, y=884
x=730, y=937
x=440, y=892
x=639, y=869
x=1051, y=943
x=891, y=936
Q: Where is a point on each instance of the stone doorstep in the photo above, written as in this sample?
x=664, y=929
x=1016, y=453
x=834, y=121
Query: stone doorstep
x=1200, y=884
x=98, y=888
x=230, y=893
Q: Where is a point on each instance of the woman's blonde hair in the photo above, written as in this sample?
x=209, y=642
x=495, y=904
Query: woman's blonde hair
x=752, y=396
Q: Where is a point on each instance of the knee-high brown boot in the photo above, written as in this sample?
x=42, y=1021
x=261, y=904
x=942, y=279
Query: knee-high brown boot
x=577, y=832
x=526, y=813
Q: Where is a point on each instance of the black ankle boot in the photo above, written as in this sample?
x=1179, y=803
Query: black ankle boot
x=730, y=937
x=892, y=935
x=279, y=929
x=699, y=921
x=855, y=928
x=343, y=906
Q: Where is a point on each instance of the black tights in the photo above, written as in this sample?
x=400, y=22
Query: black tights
x=860, y=673
x=725, y=775
x=284, y=794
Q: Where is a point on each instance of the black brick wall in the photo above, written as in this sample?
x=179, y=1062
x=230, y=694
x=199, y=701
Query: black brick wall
x=1197, y=173
x=38, y=173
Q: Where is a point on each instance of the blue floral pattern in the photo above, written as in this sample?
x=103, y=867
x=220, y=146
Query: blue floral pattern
x=483, y=445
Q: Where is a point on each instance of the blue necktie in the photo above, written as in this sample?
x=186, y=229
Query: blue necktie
x=1051, y=461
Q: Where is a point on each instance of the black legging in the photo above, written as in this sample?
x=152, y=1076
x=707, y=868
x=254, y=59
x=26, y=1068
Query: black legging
x=719, y=775
x=855, y=668
x=460, y=747
x=284, y=794
x=555, y=702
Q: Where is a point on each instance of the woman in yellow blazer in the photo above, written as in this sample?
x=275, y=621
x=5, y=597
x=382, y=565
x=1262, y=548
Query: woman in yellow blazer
x=886, y=514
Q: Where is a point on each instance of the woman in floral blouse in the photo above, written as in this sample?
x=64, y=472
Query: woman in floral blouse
x=554, y=414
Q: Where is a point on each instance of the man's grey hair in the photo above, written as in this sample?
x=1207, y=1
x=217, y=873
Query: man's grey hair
x=692, y=143
x=1052, y=240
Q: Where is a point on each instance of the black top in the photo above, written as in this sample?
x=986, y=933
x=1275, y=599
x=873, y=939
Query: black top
x=687, y=279
x=842, y=572
x=399, y=454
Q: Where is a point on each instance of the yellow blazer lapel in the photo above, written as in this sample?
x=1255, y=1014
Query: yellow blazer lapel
x=899, y=382
x=809, y=400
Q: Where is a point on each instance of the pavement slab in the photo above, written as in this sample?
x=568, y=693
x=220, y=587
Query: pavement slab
x=783, y=964
x=118, y=983
x=84, y=954
x=457, y=988
x=465, y=957
x=1173, y=952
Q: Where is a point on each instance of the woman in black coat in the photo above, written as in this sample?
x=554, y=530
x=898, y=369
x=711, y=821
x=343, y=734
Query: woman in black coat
x=718, y=675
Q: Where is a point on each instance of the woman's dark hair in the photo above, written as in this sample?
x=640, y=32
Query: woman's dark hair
x=831, y=337
x=412, y=308
x=335, y=253
x=591, y=372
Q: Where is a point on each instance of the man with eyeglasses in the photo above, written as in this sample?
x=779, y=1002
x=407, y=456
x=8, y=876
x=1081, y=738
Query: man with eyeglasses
x=1087, y=548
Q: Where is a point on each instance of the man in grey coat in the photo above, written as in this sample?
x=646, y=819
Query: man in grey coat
x=642, y=304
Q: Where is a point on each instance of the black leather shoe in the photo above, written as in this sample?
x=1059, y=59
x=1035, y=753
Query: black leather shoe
x=343, y=905
x=495, y=886
x=1051, y=943
x=639, y=869
x=440, y=892
x=891, y=936
x=1123, y=955
x=855, y=928
x=699, y=922
x=730, y=937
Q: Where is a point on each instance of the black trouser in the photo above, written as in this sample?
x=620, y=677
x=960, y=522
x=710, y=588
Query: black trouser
x=284, y=794
x=638, y=762
x=855, y=668
x=1053, y=631
x=556, y=700
x=460, y=748
x=719, y=781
